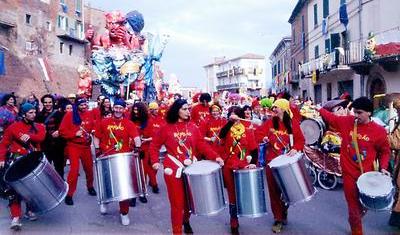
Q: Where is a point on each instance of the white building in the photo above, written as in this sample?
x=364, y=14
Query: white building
x=336, y=52
x=280, y=67
x=244, y=74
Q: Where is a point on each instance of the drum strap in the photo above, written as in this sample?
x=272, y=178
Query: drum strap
x=181, y=167
x=355, y=143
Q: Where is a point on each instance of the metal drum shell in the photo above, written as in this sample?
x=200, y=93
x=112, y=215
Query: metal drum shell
x=294, y=181
x=307, y=131
x=43, y=189
x=376, y=203
x=205, y=192
x=118, y=177
x=250, y=192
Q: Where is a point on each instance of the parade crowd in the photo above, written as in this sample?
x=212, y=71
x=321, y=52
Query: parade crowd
x=225, y=129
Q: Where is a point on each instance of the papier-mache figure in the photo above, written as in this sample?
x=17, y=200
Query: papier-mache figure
x=370, y=45
x=85, y=82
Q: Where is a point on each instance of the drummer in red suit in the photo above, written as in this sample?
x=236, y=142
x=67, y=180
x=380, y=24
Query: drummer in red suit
x=210, y=127
x=112, y=136
x=239, y=151
x=284, y=136
x=76, y=128
x=183, y=143
x=19, y=139
x=201, y=110
x=373, y=145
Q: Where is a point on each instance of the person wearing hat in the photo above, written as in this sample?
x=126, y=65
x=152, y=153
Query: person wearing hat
x=71, y=97
x=201, y=110
x=76, y=128
x=283, y=134
x=183, y=142
x=21, y=138
x=359, y=156
x=112, y=136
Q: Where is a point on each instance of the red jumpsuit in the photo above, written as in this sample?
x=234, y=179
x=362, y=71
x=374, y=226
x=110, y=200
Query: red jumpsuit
x=373, y=144
x=199, y=113
x=11, y=143
x=278, y=141
x=210, y=128
x=78, y=148
x=170, y=135
x=110, y=131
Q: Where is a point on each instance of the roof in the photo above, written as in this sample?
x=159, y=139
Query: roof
x=281, y=43
x=245, y=56
x=300, y=4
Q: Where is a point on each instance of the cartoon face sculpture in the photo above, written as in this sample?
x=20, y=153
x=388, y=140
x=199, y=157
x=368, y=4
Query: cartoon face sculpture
x=115, y=24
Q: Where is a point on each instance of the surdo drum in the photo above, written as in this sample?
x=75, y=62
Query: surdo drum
x=313, y=130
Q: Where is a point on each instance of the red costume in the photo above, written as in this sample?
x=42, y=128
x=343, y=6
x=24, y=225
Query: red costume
x=210, y=128
x=78, y=148
x=279, y=142
x=373, y=144
x=11, y=143
x=115, y=135
x=199, y=113
x=191, y=145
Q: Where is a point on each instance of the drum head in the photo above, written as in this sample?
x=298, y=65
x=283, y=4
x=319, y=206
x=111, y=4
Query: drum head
x=202, y=167
x=374, y=184
x=312, y=130
x=284, y=160
x=23, y=166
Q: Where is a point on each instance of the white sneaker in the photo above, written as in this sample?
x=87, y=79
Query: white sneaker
x=103, y=208
x=124, y=219
x=15, y=224
x=30, y=216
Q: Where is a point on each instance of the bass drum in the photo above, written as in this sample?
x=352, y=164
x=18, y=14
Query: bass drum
x=293, y=178
x=119, y=177
x=204, y=188
x=313, y=130
x=376, y=191
x=36, y=181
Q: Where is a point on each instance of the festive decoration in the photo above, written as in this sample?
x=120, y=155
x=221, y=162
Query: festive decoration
x=370, y=45
x=85, y=82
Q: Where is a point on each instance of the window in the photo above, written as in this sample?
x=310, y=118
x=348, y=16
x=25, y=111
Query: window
x=62, y=22
x=48, y=26
x=328, y=46
x=28, y=19
x=317, y=94
x=70, y=50
x=344, y=86
x=329, y=91
x=302, y=23
x=342, y=2
x=79, y=29
x=78, y=6
x=325, y=9
x=316, y=51
x=279, y=67
x=29, y=46
x=62, y=2
x=315, y=15
x=61, y=47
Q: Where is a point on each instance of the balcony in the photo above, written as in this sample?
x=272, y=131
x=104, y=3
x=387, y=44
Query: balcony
x=324, y=63
x=71, y=35
x=230, y=73
x=8, y=19
x=228, y=86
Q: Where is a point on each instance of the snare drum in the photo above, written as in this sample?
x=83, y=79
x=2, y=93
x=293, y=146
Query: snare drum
x=204, y=189
x=376, y=191
x=313, y=130
x=292, y=177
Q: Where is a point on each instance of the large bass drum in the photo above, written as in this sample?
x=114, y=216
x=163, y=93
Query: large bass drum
x=313, y=130
x=250, y=192
x=119, y=177
x=204, y=188
x=292, y=177
x=376, y=191
x=36, y=181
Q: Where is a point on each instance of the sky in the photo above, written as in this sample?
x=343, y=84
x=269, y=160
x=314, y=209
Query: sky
x=203, y=29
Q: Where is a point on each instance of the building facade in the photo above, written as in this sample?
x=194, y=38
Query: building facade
x=244, y=74
x=41, y=45
x=280, y=60
x=337, y=36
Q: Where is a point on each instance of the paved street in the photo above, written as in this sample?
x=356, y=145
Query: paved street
x=324, y=214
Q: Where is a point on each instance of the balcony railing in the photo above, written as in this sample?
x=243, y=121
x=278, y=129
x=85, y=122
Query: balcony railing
x=232, y=72
x=323, y=63
x=70, y=34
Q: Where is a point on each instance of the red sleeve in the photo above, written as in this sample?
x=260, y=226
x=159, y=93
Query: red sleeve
x=39, y=135
x=99, y=130
x=298, y=137
x=203, y=128
x=383, y=149
x=67, y=130
x=133, y=132
x=202, y=147
x=337, y=122
x=5, y=143
x=262, y=131
x=156, y=143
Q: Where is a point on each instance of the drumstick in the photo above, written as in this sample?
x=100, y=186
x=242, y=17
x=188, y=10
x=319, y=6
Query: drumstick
x=246, y=120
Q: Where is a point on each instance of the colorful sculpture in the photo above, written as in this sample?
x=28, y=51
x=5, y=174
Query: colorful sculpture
x=85, y=82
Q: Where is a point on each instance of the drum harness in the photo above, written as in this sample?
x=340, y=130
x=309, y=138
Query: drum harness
x=355, y=143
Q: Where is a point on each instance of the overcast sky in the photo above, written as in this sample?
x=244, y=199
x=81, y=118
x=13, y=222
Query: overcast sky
x=203, y=29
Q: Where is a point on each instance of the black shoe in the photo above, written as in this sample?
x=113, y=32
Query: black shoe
x=92, y=192
x=132, y=202
x=394, y=219
x=156, y=190
x=235, y=230
x=69, y=201
x=187, y=228
x=143, y=199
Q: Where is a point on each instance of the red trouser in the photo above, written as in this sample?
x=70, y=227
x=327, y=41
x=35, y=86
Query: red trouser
x=229, y=184
x=15, y=208
x=124, y=207
x=179, y=207
x=75, y=153
x=148, y=169
x=355, y=209
x=277, y=205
